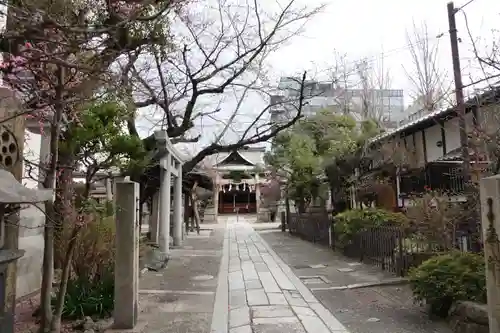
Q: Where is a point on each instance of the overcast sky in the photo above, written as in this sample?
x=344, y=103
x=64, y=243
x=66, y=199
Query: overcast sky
x=370, y=29
x=376, y=30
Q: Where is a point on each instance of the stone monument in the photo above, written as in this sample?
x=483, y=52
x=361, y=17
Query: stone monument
x=12, y=195
x=490, y=225
x=127, y=255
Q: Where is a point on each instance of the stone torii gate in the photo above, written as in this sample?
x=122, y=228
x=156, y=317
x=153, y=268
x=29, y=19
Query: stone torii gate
x=171, y=170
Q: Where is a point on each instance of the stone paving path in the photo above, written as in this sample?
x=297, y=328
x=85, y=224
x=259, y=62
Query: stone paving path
x=261, y=292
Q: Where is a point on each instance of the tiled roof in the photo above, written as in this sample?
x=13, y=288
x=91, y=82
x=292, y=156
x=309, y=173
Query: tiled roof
x=456, y=155
x=489, y=97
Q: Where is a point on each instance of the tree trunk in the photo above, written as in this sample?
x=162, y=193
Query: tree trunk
x=49, y=183
x=47, y=269
x=301, y=206
x=55, y=326
x=196, y=214
x=141, y=211
x=287, y=210
x=187, y=212
x=194, y=204
x=61, y=204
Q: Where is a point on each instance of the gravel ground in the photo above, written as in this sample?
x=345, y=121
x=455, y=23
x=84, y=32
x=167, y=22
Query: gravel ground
x=381, y=309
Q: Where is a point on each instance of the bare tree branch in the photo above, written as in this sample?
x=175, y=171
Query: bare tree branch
x=256, y=138
x=428, y=80
x=217, y=55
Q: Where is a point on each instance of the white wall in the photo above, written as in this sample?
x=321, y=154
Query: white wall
x=432, y=136
x=32, y=144
x=419, y=148
x=29, y=267
x=452, y=134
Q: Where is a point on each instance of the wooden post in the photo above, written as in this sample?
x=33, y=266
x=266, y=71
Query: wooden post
x=459, y=94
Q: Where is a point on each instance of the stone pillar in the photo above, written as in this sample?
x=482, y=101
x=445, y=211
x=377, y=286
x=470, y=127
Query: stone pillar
x=109, y=189
x=127, y=255
x=187, y=213
x=257, y=194
x=44, y=155
x=115, y=181
x=164, y=219
x=154, y=218
x=178, y=209
x=215, y=199
x=490, y=225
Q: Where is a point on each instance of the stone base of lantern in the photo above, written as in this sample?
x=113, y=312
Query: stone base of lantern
x=263, y=215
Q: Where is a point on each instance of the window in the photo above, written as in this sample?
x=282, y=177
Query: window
x=396, y=101
x=393, y=93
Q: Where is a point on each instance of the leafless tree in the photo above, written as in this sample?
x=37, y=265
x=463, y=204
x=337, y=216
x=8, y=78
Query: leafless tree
x=484, y=138
x=374, y=79
x=344, y=77
x=430, y=85
x=488, y=58
x=222, y=52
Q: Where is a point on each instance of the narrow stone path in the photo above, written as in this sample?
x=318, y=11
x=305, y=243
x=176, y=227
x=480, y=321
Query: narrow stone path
x=258, y=293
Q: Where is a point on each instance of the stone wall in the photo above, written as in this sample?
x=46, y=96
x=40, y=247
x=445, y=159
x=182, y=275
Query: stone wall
x=469, y=317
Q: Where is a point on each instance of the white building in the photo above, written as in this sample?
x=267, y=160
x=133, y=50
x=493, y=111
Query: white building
x=426, y=153
x=388, y=103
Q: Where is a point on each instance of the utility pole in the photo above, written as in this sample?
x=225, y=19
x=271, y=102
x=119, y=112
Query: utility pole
x=459, y=94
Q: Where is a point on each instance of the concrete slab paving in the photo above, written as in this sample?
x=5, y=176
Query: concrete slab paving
x=239, y=317
x=241, y=329
x=381, y=306
x=180, y=298
x=278, y=325
x=257, y=297
x=272, y=311
x=263, y=295
x=277, y=299
x=253, y=284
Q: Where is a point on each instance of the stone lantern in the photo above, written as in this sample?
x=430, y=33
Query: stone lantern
x=12, y=193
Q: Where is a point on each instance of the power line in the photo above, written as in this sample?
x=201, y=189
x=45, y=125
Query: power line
x=464, y=5
x=385, y=54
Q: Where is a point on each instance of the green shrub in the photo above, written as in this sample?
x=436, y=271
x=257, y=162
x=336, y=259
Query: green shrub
x=109, y=208
x=444, y=279
x=95, y=248
x=91, y=286
x=418, y=244
x=89, y=298
x=350, y=222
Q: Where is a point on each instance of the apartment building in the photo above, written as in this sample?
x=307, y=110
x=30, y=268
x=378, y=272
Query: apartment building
x=386, y=104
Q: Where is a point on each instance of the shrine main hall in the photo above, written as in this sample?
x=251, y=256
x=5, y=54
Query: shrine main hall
x=239, y=178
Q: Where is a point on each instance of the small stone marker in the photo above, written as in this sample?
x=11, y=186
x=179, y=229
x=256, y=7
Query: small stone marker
x=345, y=270
x=127, y=256
x=317, y=266
x=372, y=320
x=202, y=278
